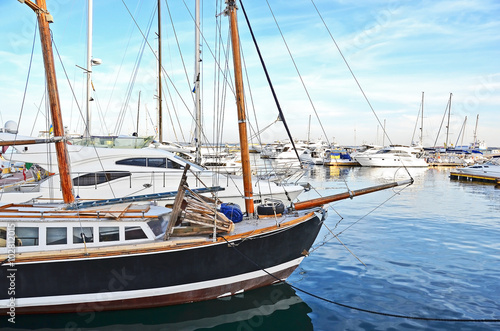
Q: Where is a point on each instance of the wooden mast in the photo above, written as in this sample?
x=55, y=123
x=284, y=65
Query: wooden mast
x=44, y=18
x=240, y=103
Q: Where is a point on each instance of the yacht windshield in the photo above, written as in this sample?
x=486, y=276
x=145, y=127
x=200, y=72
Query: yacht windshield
x=193, y=165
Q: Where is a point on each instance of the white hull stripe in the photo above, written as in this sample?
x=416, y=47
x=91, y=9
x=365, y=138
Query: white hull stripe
x=124, y=295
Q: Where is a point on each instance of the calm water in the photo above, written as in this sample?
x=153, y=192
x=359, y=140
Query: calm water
x=432, y=250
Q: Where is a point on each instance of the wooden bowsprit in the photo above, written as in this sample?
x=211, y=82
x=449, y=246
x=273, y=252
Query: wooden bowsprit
x=351, y=194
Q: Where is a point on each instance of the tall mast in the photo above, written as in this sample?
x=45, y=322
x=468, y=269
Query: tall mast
x=475, y=133
x=44, y=18
x=160, y=119
x=422, y=123
x=462, y=132
x=138, y=112
x=309, y=131
x=383, y=135
x=448, y=126
x=240, y=104
x=89, y=66
x=197, y=92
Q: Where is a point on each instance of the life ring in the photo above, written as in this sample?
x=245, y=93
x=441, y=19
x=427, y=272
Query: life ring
x=271, y=207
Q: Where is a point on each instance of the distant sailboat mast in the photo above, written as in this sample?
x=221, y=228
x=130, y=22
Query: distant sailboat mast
x=448, y=125
x=309, y=130
x=461, y=134
x=197, y=91
x=160, y=117
x=422, y=123
x=475, y=133
x=89, y=66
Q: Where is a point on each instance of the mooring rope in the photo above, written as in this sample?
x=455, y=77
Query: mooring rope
x=358, y=308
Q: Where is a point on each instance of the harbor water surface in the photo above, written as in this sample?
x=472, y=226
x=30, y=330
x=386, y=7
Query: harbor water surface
x=428, y=253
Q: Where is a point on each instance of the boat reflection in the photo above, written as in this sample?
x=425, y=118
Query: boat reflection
x=274, y=307
x=392, y=173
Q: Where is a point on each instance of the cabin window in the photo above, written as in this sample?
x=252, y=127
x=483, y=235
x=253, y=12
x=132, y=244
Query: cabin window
x=158, y=226
x=109, y=233
x=173, y=165
x=3, y=236
x=157, y=162
x=26, y=236
x=136, y=161
x=57, y=236
x=150, y=162
x=100, y=177
x=79, y=233
x=134, y=232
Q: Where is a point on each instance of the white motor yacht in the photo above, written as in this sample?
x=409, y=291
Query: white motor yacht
x=490, y=169
x=104, y=173
x=392, y=156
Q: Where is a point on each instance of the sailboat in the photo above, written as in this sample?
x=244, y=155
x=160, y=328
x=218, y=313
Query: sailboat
x=107, y=255
x=101, y=169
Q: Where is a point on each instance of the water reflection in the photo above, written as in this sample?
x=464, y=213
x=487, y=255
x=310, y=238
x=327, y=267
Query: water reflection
x=270, y=308
x=319, y=175
x=328, y=173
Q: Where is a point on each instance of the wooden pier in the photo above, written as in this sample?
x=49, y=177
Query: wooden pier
x=476, y=178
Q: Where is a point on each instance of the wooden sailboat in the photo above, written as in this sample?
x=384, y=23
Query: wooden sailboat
x=106, y=255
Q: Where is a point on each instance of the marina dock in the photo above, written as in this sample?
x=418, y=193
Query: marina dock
x=477, y=178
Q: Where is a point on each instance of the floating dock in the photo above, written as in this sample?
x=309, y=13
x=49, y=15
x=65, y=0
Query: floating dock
x=476, y=178
x=446, y=164
x=342, y=164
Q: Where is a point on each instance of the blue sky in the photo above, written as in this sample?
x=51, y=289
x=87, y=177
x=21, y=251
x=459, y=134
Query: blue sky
x=396, y=49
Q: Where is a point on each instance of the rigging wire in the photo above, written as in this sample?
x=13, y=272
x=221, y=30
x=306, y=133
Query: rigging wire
x=135, y=71
x=75, y=99
x=81, y=114
x=38, y=107
x=298, y=72
x=279, y=280
x=442, y=121
x=27, y=77
x=163, y=70
x=255, y=135
x=282, y=116
x=416, y=122
x=25, y=92
x=185, y=73
x=100, y=112
x=223, y=71
x=178, y=44
x=357, y=221
x=357, y=82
